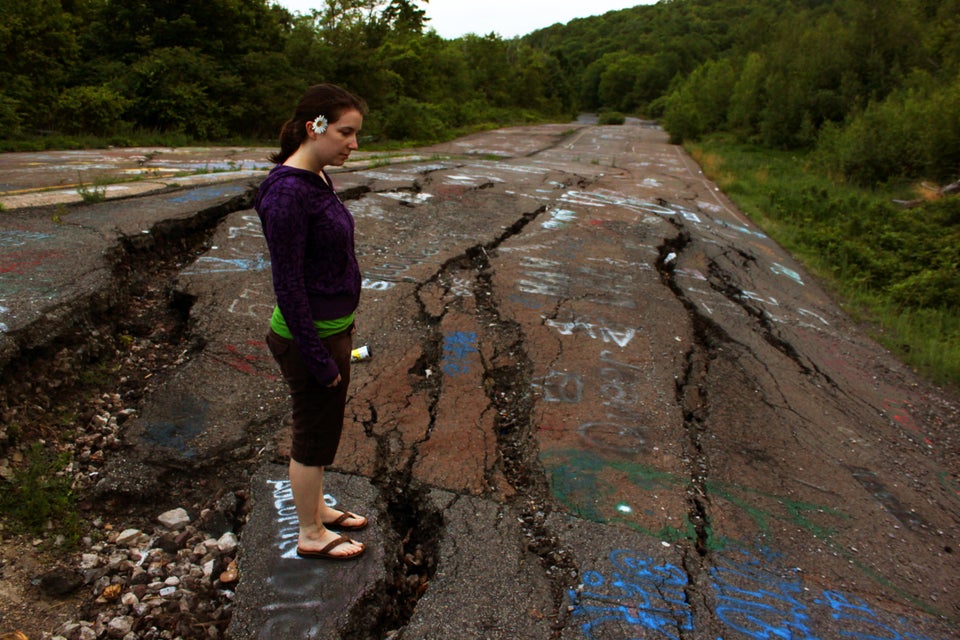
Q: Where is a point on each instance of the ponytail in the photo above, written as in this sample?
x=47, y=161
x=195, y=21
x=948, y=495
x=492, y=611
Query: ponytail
x=289, y=141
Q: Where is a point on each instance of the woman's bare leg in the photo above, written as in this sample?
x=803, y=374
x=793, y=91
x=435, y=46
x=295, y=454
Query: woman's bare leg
x=307, y=486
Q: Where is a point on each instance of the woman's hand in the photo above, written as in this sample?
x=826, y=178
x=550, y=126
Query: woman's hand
x=335, y=382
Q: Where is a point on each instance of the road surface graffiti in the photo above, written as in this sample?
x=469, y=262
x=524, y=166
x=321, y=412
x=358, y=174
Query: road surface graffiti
x=457, y=350
x=385, y=275
x=286, y=517
x=580, y=481
x=779, y=269
x=602, y=285
x=208, y=193
x=598, y=330
x=18, y=237
x=558, y=218
x=251, y=357
x=210, y=264
x=646, y=598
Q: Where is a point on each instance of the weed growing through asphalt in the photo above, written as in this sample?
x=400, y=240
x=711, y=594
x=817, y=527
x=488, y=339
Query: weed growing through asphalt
x=39, y=497
x=91, y=194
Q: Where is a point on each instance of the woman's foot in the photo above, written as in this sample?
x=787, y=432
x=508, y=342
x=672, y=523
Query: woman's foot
x=328, y=544
x=342, y=520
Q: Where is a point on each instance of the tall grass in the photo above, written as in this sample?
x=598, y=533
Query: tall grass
x=895, y=269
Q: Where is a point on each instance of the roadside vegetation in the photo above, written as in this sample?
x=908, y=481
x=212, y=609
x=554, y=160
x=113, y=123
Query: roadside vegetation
x=889, y=254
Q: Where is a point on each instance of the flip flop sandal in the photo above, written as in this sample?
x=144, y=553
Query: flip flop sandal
x=325, y=554
x=338, y=523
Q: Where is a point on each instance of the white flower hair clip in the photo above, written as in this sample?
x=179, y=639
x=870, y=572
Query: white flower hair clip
x=320, y=125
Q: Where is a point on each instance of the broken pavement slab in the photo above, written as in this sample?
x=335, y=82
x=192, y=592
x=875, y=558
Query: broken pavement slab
x=281, y=595
x=486, y=585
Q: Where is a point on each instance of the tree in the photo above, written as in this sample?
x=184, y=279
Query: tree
x=38, y=47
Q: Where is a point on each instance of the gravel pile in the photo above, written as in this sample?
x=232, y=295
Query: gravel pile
x=172, y=578
x=173, y=582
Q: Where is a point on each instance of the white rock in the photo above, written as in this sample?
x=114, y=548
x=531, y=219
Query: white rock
x=227, y=543
x=89, y=560
x=175, y=519
x=129, y=537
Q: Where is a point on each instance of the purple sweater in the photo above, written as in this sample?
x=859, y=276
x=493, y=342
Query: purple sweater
x=315, y=272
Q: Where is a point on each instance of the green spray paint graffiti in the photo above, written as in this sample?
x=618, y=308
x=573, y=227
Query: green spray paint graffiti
x=580, y=481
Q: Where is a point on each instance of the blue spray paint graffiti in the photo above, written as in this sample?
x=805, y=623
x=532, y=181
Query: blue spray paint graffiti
x=208, y=193
x=18, y=238
x=644, y=599
x=457, y=348
x=209, y=264
x=854, y=611
x=638, y=594
x=757, y=602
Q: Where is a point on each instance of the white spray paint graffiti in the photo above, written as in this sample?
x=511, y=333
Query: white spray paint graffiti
x=386, y=275
x=619, y=390
x=561, y=386
x=252, y=303
x=620, y=429
x=600, y=330
x=289, y=528
x=790, y=273
x=461, y=288
x=406, y=196
x=807, y=312
x=250, y=228
x=559, y=218
x=212, y=264
x=542, y=276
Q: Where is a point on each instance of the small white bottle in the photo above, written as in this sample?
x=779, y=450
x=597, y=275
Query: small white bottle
x=360, y=353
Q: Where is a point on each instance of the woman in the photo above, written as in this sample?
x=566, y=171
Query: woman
x=316, y=280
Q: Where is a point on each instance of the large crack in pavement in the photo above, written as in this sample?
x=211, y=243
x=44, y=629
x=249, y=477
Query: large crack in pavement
x=507, y=385
x=691, y=389
x=692, y=395
x=114, y=335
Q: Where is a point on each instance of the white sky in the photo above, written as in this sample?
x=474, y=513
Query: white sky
x=508, y=18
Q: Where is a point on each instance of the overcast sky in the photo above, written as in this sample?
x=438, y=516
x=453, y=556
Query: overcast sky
x=509, y=18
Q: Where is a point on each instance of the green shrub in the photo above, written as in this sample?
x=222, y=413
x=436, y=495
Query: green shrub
x=409, y=119
x=611, y=117
x=90, y=110
x=40, y=496
x=912, y=134
x=9, y=118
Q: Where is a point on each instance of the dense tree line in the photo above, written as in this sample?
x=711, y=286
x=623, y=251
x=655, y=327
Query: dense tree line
x=872, y=85
x=216, y=69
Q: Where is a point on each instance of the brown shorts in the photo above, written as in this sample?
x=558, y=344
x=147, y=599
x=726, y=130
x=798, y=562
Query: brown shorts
x=317, y=410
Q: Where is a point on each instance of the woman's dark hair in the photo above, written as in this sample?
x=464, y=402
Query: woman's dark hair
x=327, y=100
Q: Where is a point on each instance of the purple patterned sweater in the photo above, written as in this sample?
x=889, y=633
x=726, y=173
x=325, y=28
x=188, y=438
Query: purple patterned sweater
x=310, y=235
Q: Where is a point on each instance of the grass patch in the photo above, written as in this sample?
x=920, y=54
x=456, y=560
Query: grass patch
x=897, y=269
x=93, y=193
x=39, y=499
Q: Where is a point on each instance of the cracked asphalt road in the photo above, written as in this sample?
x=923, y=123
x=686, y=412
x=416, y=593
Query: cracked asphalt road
x=601, y=404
